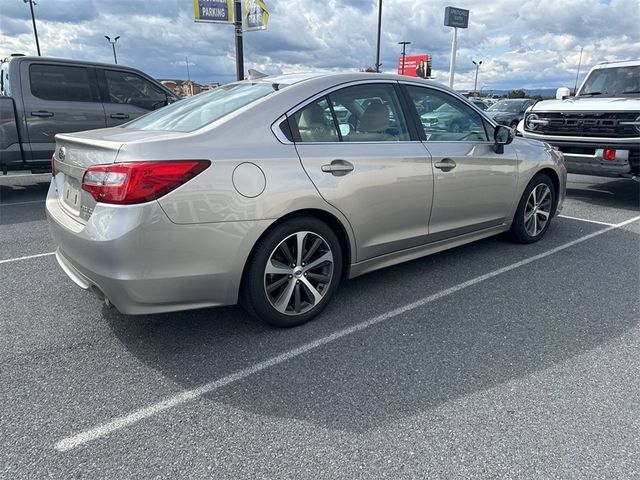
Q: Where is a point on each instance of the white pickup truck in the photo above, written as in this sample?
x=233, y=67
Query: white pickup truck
x=598, y=130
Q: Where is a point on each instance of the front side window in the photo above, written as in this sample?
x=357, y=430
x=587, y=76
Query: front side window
x=195, y=112
x=446, y=118
x=132, y=89
x=58, y=82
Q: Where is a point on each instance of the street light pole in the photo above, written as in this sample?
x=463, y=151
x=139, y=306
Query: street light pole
x=113, y=46
x=33, y=19
x=475, y=84
x=237, y=22
x=190, y=83
x=379, y=28
x=404, y=48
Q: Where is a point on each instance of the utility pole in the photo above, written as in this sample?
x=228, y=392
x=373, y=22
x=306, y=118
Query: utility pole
x=33, y=19
x=475, y=84
x=113, y=46
x=404, y=48
x=379, y=29
x=237, y=17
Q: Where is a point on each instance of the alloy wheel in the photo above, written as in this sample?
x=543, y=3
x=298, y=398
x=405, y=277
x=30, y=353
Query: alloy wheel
x=298, y=273
x=537, y=210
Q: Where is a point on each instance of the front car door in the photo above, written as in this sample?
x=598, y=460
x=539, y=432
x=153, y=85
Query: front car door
x=474, y=187
x=355, y=145
x=58, y=99
x=127, y=95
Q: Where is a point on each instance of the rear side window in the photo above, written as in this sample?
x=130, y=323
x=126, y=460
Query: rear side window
x=132, y=89
x=61, y=82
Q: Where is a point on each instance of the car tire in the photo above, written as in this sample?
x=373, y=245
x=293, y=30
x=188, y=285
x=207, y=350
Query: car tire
x=285, y=287
x=535, y=210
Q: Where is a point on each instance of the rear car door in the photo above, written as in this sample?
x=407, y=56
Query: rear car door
x=474, y=187
x=58, y=98
x=127, y=95
x=355, y=145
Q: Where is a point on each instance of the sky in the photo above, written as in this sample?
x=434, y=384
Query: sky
x=522, y=43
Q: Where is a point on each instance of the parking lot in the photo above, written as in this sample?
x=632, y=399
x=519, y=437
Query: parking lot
x=492, y=360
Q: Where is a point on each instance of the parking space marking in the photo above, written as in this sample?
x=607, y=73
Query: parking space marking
x=9, y=260
x=587, y=220
x=74, y=441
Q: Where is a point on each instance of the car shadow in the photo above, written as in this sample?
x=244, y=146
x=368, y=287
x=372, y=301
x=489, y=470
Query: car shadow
x=469, y=342
x=23, y=202
x=620, y=193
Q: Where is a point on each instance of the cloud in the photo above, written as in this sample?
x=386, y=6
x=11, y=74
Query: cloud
x=524, y=44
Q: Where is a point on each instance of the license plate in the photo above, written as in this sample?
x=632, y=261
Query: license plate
x=72, y=193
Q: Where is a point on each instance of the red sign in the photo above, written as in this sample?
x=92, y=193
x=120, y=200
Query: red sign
x=415, y=66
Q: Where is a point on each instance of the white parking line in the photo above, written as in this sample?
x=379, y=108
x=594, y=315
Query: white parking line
x=587, y=220
x=9, y=260
x=127, y=420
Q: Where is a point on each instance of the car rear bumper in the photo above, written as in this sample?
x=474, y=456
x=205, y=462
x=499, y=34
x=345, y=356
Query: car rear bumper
x=141, y=262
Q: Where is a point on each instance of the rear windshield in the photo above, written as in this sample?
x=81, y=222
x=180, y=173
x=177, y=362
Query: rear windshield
x=195, y=112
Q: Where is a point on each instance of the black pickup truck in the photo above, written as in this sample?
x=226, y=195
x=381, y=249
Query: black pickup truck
x=41, y=96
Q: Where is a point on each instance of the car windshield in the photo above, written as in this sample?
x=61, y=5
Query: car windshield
x=195, y=112
x=504, y=106
x=612, y=82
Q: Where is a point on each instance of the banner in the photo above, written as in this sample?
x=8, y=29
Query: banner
x=256, y=15
x=415, y=66
x=213, y=11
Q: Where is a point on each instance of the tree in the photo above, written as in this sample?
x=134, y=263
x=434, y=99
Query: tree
x=516, y=94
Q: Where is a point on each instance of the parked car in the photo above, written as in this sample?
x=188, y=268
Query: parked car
x=42, y=96
x=598, y=130
x=481, y=104
x=510, y=111
x=254, y=192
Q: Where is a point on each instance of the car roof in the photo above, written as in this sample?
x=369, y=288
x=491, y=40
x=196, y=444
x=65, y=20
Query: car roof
x=342, y=77
x=68, y=61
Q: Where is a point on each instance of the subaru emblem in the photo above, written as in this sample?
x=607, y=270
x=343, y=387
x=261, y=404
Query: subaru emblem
x=61, y=154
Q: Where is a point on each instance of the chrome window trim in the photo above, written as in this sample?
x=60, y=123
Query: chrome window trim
x=280, y=136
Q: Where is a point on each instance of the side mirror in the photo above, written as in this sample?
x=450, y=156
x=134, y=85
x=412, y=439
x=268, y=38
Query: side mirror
x=502, y=136
x=562, y=93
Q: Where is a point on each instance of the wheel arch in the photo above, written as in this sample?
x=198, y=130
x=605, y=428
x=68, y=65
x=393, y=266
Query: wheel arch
x=555, y=179
x=331, y=220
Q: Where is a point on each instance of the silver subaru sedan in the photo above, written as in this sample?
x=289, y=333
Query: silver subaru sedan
x=269, y=192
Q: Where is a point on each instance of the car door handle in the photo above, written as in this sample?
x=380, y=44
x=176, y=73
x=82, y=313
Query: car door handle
x=446, y=164
x=119, y=116
x=42, y=113
x=338, y=167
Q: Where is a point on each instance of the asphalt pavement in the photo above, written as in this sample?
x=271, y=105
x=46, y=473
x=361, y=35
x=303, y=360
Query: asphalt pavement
x=492, y=360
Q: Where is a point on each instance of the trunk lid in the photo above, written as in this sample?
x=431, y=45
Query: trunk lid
x=76, y=152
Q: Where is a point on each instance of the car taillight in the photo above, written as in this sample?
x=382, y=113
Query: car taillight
x=138, y=182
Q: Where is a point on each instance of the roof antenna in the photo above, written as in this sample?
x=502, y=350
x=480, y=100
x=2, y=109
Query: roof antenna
x=255, y=74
